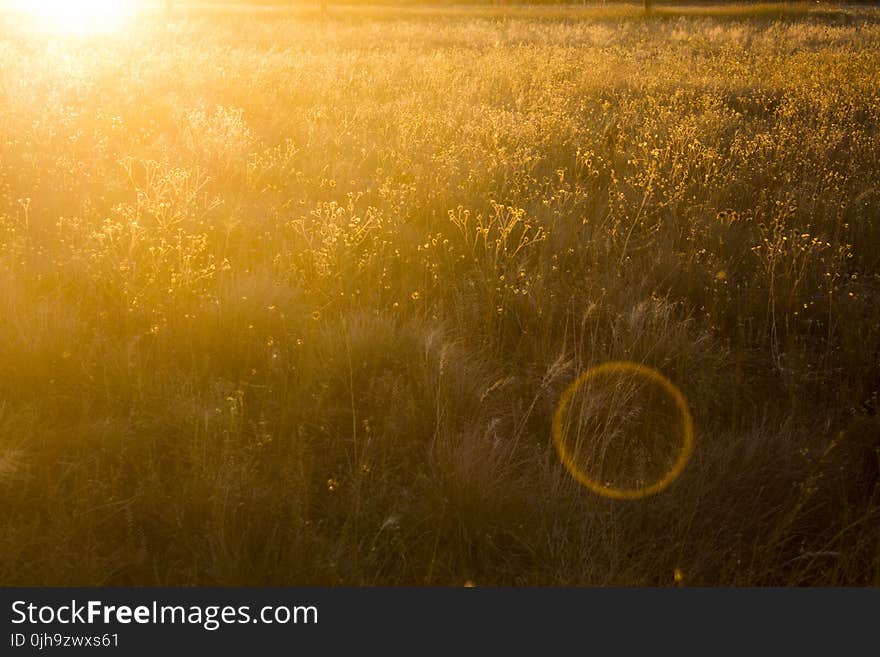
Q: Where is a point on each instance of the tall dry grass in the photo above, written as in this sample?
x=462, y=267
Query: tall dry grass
x=290, y=301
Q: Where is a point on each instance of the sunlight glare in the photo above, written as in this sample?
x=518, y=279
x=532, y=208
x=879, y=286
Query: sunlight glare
x=78, y=16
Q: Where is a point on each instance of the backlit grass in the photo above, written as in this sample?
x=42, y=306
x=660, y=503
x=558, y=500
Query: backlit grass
x=286, y=300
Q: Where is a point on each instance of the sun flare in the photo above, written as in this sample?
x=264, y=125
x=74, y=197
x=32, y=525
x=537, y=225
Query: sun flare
x=78, y=16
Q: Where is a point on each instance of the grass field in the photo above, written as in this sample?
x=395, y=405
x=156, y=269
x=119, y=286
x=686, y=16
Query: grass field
x=291, y=300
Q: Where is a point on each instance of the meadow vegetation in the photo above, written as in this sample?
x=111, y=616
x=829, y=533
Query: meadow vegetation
x=286, y=300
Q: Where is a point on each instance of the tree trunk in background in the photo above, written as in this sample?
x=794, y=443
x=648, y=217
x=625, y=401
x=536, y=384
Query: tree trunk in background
x=648, y=4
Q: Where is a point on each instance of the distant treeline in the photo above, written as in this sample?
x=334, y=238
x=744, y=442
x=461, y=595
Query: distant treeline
x=294, y=3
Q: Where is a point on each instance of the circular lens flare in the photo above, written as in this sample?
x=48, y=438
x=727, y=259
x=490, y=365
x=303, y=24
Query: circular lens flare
x=617, y=419
x=77, y=17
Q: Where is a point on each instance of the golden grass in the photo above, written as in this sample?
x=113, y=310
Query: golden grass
x=288, y=301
